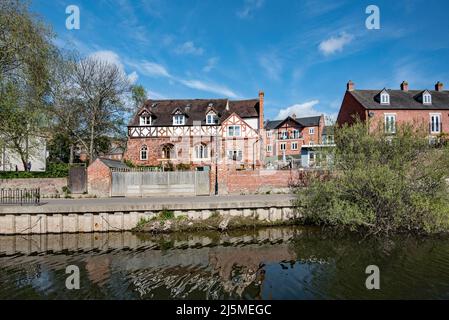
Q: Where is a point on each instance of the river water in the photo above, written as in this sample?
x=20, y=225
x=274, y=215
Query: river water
x=275, y=263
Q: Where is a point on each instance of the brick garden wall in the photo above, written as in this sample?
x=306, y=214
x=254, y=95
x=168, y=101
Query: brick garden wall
x=253, y=181
x=50, y=187
x=99, y=179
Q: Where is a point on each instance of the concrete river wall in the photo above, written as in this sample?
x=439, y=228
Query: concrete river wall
x=109, y=215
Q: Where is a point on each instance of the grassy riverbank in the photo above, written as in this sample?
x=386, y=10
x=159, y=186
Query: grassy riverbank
x=381, y=184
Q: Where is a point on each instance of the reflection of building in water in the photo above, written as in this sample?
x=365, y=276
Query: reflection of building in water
x=191, y=268
x=240, y=267
x=98, y=269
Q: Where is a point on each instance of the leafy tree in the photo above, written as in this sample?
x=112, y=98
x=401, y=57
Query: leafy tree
x=25, y=51
x=381, y=183
x=139, y=95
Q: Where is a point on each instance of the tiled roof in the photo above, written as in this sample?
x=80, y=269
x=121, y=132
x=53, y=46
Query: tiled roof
x=195, y=110
x=305, y=122
x=115, y=164
x=402, y=100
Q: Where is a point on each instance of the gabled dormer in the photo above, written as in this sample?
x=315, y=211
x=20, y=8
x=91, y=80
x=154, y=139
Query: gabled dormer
x=426, y=97
x=211, y=116
x=179, y=117
x=146, y=118
x=384, y=97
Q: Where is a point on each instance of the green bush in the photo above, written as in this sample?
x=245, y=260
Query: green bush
x=381, y=184
x=54, y=170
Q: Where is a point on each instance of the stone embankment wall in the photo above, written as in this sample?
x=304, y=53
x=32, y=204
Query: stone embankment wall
x=123, y=221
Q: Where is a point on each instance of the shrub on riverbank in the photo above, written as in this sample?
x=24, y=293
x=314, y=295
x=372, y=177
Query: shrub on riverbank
x=381, y=184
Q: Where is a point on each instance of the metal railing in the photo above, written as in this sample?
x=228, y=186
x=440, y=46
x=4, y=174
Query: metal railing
x=20, y=196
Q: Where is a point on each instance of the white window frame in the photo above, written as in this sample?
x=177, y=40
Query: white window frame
x=144, y=122
x=234, y=131
x=384, y=98
x=311, y=130
x=201, y=152
x=427, y=98
x=237, y=152
x=143, y=151
x=390, y=115
x=283, y=146
x=179, y=120
x=211, y=118
x=436, y=125
x=294, y=146
x=269, y=148
x=296, y=134
x=269, y=134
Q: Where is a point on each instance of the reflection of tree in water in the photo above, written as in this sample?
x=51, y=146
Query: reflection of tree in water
x=410, y=267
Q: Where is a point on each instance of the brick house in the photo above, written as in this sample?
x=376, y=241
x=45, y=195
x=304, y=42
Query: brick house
x=288, y=136
x=175, y=132
x=388, y=108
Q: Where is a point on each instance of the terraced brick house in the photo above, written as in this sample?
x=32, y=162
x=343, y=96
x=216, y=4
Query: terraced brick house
x=388, y=108
x=285, y=138
x=174, y=132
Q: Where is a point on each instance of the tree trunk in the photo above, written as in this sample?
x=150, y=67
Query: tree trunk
x=71, y=154
x=91, y=146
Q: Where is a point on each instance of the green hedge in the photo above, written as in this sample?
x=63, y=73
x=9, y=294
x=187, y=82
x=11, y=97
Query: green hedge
x=54, y=170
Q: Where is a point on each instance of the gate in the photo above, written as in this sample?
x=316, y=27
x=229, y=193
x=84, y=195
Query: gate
x=149, y=183
x=78, y=179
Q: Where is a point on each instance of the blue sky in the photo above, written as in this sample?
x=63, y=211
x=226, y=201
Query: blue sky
x=301, y=53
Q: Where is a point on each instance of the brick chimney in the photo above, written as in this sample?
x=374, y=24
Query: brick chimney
x=439, y=86
x=350, y=86
x=261, y=101
x=404, y=86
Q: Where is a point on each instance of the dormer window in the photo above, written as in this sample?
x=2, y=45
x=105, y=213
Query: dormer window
x=384, y=97
x=146, y=120
x=211, y=118
x=426, y=98
x=179, y=120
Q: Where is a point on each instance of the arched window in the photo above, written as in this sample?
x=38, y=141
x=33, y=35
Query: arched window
x=168, y=152
x=201, y=152
x=144, y=153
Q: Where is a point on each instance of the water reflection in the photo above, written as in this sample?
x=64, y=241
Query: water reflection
x=279, y=263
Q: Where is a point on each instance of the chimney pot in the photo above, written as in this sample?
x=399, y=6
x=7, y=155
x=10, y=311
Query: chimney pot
x=439, y=86
x=404, y=86
x=350, y=86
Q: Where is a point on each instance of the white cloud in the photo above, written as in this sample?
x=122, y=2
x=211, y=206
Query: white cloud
x=156, y=95
x=335, y=44
x=150, y=69
x=211, y=64
x=133, y=77
x=156, y=70
x=305, y=109
x=189, y=48
x=209, y=87
x=272, y=65
x=113, y=58
x=249, y=7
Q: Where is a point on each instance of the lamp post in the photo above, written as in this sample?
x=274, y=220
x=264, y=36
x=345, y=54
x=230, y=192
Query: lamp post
x=216, y=159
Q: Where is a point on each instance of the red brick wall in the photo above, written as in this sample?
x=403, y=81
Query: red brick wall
x=99, y=179
x=415, y=117
x=350, y=107
x=231, y=181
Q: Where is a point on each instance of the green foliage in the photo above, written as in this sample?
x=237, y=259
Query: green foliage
x=139, y=95
x=381, y=184
x=166, y=214
x=54, y=170
x=183, y=167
